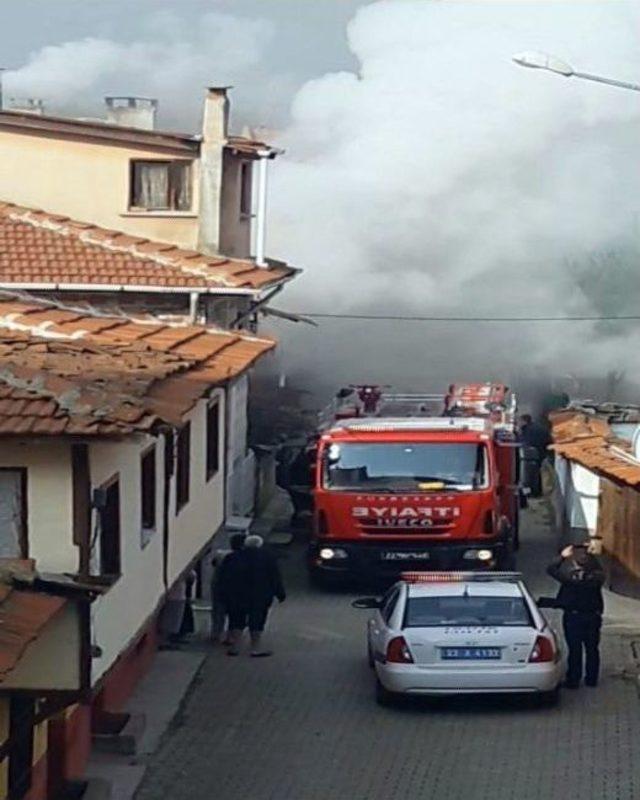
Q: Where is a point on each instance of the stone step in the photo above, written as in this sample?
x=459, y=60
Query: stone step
x=124, y=741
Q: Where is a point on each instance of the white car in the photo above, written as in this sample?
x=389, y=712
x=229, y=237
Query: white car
x=445, y=633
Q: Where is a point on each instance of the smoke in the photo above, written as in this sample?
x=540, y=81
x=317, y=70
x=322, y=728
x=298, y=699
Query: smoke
x=435, y=179
x=441, y=179
x=173, y=59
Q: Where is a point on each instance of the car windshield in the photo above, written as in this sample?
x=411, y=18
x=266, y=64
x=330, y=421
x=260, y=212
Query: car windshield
x=407, y=466
x=434, y=612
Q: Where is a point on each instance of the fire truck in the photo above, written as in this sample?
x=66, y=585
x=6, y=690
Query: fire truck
x=406, y=481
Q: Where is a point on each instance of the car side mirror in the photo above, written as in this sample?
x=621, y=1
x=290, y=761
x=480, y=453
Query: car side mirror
x=366, y=602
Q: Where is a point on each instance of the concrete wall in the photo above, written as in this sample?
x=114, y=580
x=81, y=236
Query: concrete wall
x=235, y=227
x=49, y=500
x=193, y=526
x=120, y=613
x=577, y=496
x=89, y=182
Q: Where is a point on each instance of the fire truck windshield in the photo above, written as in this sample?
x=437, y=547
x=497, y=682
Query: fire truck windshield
x=406, y=467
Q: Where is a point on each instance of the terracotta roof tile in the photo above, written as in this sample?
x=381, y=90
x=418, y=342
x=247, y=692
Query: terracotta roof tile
x=103, y=375
x=37, y=247
x=588, y=441
x=24, y=615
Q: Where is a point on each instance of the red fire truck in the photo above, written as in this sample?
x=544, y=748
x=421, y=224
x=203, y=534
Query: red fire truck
x=416, y=482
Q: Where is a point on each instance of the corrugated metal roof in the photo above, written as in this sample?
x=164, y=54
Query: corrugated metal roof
x=23, y=615
x=39, y=248
x=65, y=372
x=588, y=440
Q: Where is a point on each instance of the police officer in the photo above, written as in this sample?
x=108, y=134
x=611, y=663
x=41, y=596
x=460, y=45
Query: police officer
x=581, y=577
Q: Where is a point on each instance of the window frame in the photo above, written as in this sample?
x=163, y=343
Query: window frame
x=246, y=189
x=116, y=555
x=172, y=165
x=23, y=540
x=183, y=466
x=212, y=470
x=148, y=493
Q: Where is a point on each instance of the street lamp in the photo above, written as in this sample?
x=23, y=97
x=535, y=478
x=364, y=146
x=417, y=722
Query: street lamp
x=553, y=64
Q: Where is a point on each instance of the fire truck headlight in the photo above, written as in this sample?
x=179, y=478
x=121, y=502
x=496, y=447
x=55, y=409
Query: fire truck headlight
x=478, y=555
x=330, y=553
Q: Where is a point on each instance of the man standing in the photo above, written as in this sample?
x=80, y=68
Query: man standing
x=581, y=577
x=219, y=611
x=265, y=584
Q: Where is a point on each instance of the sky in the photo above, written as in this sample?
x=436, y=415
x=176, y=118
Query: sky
x=425, y=174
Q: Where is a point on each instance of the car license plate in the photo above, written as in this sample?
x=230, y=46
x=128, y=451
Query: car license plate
x=417, y=556
x=471, y=653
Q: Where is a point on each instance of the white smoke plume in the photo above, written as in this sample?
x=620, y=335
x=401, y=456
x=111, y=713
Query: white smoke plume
x=441, y=179
x=436, y=179
x=170, y=60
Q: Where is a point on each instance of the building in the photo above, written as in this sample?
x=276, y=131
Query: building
x=597, y=465
x=192, y=191
x=112, y=472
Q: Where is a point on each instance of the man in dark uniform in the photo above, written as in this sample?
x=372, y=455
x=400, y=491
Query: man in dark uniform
x=581, y=577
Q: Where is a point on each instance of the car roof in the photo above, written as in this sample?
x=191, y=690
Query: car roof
x=471, y=588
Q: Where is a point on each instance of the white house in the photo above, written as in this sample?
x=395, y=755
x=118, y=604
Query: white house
x=112, y=470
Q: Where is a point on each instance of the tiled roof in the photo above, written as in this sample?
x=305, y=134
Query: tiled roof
x=70, y=372
x=588, y=441
x=24, y=614
x=39, y=248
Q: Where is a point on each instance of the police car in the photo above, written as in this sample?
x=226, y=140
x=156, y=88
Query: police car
x=446, y=633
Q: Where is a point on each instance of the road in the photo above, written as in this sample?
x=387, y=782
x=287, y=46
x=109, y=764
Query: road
x=303, y=725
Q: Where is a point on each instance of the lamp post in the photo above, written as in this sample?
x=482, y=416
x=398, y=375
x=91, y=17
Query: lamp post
x=553, y=64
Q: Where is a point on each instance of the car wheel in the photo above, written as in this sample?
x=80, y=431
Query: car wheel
x=384, y=697
x=550, y=699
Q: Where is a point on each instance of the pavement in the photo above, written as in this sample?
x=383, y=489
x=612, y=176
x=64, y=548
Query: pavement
x=303, y=725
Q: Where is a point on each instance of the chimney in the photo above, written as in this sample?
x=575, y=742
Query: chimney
x=132, y=112
x=215, y=126
x=27, y=105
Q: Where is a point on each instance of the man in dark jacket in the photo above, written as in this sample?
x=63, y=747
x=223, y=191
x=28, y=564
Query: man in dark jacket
x=265, y=584
x=581, y=577
x=249, y=581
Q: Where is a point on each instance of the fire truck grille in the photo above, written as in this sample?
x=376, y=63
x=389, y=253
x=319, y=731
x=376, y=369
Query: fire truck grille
x=374, y=529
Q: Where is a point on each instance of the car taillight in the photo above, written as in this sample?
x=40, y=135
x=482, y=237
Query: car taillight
x=398, y=652
x=321, y=524
x=488, y=522
x=543, y=651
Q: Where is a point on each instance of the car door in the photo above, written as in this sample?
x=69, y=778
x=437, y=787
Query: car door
x=379, y=623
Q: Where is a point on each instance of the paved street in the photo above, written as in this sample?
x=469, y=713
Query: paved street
x=304, y=725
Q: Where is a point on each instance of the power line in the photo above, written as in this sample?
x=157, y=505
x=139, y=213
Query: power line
x=407, y=318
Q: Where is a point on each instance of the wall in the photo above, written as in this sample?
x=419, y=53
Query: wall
x=121, y=612
x=194, y=525
x=577, y=499
x=49, y=498
x=619, y=524
x=88, y=182
x=240, y=461
x=235, y=228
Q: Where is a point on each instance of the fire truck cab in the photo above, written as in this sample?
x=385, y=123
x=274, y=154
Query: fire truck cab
x=419, y=490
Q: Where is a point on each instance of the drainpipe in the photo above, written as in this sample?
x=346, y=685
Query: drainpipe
x=193, y=306
x=261, y=208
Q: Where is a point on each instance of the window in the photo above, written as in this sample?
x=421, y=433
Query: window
x=160, y=185
x=245, y=189
x=465, y=609
x=183, y=466
x=213, y=439
x=407, y=467
x=148, y=494
x=13, y=513
x=389, y=603
x=110, y=528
